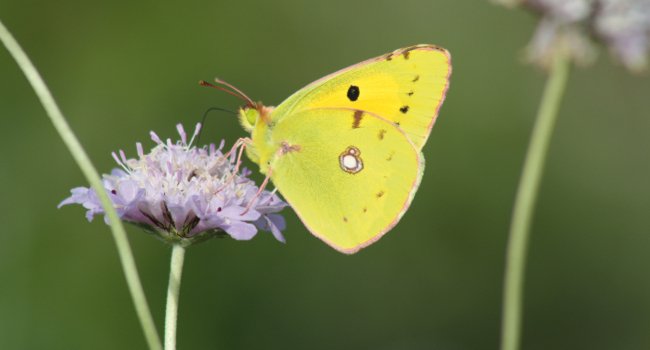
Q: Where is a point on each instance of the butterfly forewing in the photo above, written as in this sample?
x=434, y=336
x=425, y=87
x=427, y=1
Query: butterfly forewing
x=406, y=87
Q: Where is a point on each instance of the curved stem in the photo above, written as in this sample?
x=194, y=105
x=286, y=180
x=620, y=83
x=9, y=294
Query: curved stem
x=80, y=156
x=525, y=202
x=171, y=313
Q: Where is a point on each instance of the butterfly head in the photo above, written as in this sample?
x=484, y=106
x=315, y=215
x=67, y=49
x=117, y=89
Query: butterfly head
x=251, y=116
x=251, y=113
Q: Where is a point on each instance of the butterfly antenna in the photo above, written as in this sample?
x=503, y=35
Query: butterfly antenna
x=241, y=93
x=205, y=116
x=230, y=90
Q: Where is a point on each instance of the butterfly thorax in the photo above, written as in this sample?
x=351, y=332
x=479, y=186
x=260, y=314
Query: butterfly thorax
x=257, y=121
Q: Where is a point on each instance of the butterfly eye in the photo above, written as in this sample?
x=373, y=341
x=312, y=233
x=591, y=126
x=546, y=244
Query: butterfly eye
x=353, y=93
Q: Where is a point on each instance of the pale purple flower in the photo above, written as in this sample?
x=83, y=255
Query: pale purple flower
x=623, y=26
x=185, y=194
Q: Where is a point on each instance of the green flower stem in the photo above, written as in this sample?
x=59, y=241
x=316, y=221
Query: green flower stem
x=525, y=202
x=80, y=156
x=171, y=314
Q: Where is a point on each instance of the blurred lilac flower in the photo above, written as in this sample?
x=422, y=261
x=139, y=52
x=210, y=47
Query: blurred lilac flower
x=623, y=26
x=185, y=194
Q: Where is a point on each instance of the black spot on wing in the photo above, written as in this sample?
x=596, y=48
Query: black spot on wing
x=404, y=109
x=380, y=194
x=410, y=93
x=417, y=77
x=353, y=93
x=381, y=134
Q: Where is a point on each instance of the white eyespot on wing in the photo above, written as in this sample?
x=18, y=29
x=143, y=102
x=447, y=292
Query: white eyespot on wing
x=350, y=160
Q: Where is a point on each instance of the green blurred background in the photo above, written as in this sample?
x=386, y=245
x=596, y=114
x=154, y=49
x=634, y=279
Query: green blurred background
x=122, y=68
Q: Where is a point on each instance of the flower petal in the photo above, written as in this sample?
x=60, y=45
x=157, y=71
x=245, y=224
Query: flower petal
x=240, y=231
x=235, y=212
x=79, y=195
x=274, y=223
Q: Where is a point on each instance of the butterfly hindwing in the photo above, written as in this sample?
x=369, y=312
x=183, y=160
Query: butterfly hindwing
x=406, y=87
x=348, y=174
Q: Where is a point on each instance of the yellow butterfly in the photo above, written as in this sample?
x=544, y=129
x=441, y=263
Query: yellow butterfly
x=345, y=151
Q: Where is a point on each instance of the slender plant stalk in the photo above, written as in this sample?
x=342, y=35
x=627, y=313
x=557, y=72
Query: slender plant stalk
x=171, y=313
x=80, y=156
x=525, y=202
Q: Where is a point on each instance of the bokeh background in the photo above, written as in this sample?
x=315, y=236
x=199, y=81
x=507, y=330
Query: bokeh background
x=122, y=68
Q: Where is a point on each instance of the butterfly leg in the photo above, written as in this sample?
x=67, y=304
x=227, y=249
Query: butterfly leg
x=284, y=149
x=239, y=147
x=268, y=201
x=259, y=191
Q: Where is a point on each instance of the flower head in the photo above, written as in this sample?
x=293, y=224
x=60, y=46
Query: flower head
x=623, y=26
x=185, y=194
